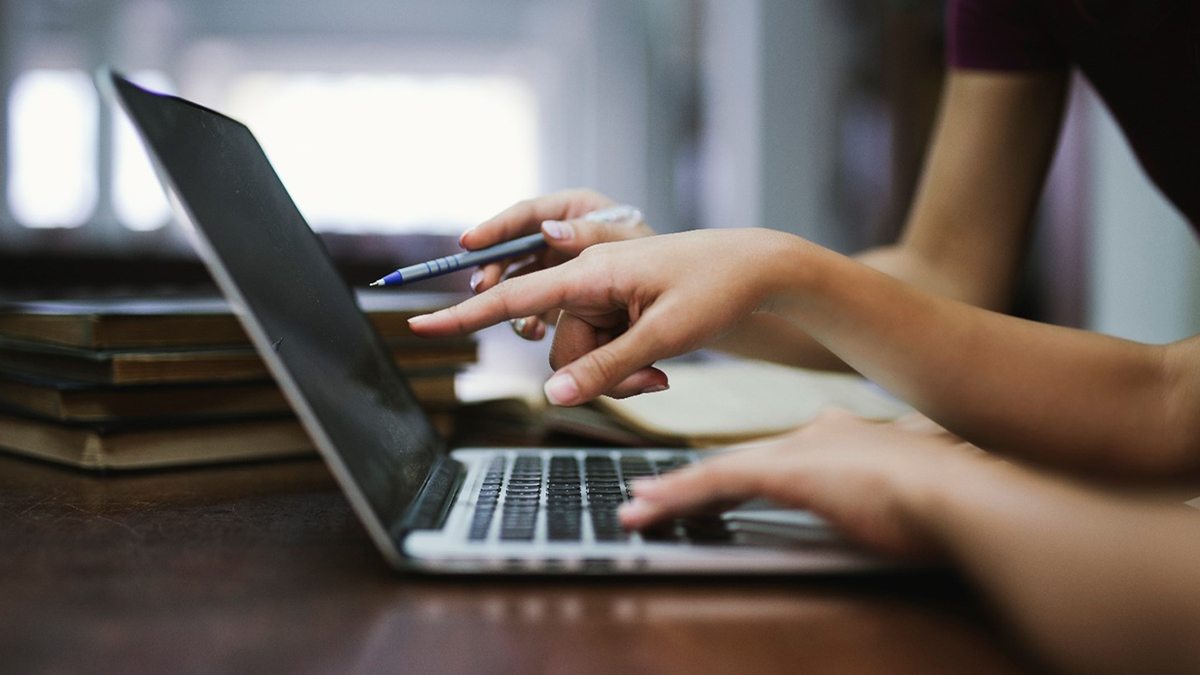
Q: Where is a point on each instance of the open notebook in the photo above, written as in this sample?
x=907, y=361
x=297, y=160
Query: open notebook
x=728, y=401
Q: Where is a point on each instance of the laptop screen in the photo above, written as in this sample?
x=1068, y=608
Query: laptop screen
x=302, y=318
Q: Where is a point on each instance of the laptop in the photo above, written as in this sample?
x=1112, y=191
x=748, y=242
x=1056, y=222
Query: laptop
x=426, y=507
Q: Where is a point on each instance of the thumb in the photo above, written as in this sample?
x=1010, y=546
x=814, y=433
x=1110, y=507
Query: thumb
x=603, y=368
x=571, y=237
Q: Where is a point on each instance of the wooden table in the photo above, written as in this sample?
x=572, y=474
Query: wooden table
x=263, y=568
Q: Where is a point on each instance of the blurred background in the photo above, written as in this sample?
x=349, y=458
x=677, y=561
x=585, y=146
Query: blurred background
x=396, y=124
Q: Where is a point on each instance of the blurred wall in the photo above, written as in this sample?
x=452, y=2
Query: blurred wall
x=1144, y=257
x=771, y=72
x=815, y=115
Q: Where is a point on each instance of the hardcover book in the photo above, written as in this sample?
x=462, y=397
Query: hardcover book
x=120, y=323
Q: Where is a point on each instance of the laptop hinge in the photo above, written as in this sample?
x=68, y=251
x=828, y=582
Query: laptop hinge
x=432, y=504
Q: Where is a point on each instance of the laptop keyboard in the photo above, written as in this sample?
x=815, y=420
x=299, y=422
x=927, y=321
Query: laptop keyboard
x=572, y=497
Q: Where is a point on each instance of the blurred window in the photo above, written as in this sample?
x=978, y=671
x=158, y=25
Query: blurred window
x=138, y=199
x=394, y=152
x=52, y=143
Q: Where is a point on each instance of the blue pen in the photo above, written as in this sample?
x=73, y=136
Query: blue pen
x=509, y=249
x=452, y=263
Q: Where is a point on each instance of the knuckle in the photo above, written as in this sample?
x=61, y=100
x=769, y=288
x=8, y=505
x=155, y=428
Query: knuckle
x=596, y=252
x=455, y=314
x=604, y=365
x=503, y=293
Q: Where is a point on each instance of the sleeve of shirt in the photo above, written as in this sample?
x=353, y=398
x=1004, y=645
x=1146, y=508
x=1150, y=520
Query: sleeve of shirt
x=1000, y=35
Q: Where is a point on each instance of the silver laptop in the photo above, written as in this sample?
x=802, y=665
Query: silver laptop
x=467, y=510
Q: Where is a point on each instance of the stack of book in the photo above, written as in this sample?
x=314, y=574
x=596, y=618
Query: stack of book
x=138, y=383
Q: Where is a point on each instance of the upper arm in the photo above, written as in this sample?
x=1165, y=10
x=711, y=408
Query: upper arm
x=970, y=221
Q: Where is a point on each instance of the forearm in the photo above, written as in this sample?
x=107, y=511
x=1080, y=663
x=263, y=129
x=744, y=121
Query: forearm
x=769, y=338
x=1052, y=394
x=1094, y=583
x=969, y=225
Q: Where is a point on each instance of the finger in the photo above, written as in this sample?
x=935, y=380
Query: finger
x=530, y=328
x=566, y=240
x=487, y=276
x=490, y=275
x=603, y=368
x=521, y=218
x=516, y=298
x=524, y=266
x=571, y=237
x=648, y=380
x=550, y=318
x=526, y=216
x=574, y=337
x=691, y=489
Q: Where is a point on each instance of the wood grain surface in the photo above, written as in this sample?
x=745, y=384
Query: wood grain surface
x=263, y=568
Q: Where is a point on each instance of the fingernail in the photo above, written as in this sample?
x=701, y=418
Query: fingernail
x=476, y=277
x=462, y=237
x=655, y=389
x=557, y=229
x=420, y=318
x=562, y=389
x=518, y=326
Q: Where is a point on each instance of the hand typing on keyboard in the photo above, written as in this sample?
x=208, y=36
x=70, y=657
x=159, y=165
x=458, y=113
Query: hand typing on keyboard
x=864, y=477
x=579, y=499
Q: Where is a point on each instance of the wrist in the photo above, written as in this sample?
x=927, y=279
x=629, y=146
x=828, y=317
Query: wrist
x=790, y=272
x=940, y=498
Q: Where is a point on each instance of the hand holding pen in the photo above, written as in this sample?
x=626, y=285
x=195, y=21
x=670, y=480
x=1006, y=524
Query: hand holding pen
x=545, y=231
x=570, y=221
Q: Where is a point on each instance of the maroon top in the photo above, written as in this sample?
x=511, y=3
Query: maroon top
x=1142, y=56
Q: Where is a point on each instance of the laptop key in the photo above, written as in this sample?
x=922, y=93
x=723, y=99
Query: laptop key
x=606, y=526
x=487, y=499
x=564, y=523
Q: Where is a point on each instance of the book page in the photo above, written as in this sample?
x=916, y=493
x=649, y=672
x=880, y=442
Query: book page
x=712, y=403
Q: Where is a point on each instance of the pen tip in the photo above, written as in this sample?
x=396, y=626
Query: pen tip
x=377, y=282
